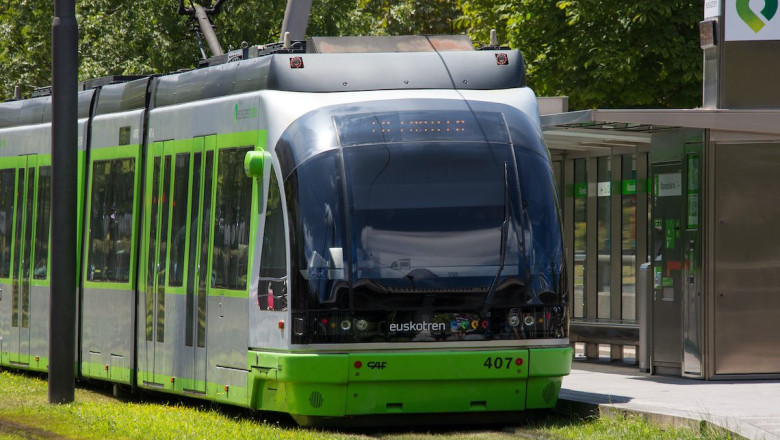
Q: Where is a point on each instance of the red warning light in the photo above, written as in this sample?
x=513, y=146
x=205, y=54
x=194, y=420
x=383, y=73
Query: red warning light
x=502, y=59
x=547, y=316
x=358, y=364
x=281, y=324
x=519, y=361
x=296, y=63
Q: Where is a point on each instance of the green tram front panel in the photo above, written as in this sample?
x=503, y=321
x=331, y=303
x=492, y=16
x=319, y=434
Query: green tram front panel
x=370, y=383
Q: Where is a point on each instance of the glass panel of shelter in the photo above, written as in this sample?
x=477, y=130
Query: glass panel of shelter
x=601, y=194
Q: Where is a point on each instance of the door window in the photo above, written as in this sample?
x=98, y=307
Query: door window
x=42, y=224
x=7, y=187
x=111, y=220
x=178, y=220
x=232, y=221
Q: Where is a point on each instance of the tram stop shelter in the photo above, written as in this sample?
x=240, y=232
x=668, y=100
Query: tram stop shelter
x=670, y=217
x=695, y=193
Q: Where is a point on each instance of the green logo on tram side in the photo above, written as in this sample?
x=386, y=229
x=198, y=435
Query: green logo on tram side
x=239, y=114
x=751, y=18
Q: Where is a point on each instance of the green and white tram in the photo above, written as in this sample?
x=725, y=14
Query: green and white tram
x=320, y=234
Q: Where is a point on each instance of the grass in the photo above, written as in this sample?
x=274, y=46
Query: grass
x=25, y=414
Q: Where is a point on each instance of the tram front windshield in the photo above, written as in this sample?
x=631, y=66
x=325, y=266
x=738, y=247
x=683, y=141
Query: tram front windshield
x=427, y=218
x=425, y=225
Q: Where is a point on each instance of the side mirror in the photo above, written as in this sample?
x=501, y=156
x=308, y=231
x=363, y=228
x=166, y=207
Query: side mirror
x=254, y=161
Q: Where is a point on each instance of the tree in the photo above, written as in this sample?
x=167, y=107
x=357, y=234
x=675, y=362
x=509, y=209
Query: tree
x=132, y=38
x=408, y=17
x=25, y=45
x=115, y=38
x=602, y=53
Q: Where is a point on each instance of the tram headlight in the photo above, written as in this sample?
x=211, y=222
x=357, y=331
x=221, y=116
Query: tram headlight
x=513, y=320
x=346, y=325
x=361, y=325
x=528, y=320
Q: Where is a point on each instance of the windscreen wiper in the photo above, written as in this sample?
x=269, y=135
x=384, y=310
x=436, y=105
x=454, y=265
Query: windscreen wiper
x=504, y=232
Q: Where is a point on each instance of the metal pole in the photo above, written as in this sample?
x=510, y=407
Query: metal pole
x=64, y=131
x=208, y=30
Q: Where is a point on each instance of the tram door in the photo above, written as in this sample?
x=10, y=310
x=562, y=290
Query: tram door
x=197, y=279
x=156, y=251
x=27, y=214
x=180, y=185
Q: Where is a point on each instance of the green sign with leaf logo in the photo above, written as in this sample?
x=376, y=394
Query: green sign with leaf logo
x=751, y=18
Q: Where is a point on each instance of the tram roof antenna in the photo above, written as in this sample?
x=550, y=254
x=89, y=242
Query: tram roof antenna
x=202, y=13
x=296, y=19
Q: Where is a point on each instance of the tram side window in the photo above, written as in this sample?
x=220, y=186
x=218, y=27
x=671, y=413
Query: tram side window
x=272, y=294
x=42, y=222
x=232, y=221
x=7, y=180
x=111, y=220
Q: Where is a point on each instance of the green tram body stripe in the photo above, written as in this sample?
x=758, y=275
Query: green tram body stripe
x=111, y=373
x=24, y=361
x=232, y=394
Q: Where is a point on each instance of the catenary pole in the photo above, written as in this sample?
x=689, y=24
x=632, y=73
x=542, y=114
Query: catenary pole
x=207, y=30
x=62, y=318
x=296, y=19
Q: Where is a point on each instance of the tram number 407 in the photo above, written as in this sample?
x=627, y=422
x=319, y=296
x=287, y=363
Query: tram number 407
x=498, y=362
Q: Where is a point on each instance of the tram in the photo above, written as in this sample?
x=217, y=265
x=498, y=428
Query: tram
x=346, y=227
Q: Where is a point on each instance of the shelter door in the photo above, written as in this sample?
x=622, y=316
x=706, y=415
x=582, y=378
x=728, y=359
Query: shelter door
x=200, y=182
x=667, y=256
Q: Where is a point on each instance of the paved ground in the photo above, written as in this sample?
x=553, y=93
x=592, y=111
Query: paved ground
x=748, y=408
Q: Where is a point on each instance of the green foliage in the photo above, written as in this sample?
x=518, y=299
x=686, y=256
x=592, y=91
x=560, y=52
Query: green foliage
x=601, y=53
x=409, y=17
x=115, y=38
x=121, y=38
x=25, y=45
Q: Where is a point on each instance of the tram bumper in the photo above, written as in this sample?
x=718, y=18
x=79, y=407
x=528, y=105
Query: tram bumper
x=376, y=383
x=473, y=381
